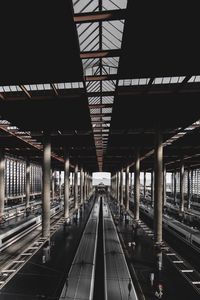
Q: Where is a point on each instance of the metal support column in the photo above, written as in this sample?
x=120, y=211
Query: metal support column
x=81, y=184
x=66, y=184
x=85, y=188
x=152, y=188
x=144, y=184
x=189, y=188
x=27, y=183
x=121, y=187
x=76, y=187
x=53, y=184
x=2, y=182
x=60, y=186
x=137, y=186
x=164, y=185
x=158, y=188
x=46, y=186
x=175, y=187
x=127, y=189
x=182, y=171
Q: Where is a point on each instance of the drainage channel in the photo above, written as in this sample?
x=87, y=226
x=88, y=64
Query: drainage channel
x=99, y=270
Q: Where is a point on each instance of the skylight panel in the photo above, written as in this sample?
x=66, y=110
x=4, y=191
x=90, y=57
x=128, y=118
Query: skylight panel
x=68, y=85
x=108, y=85
x=143, y=81
x=9, y=88
x=110, y=62
x=95, y=111
x=107, y=100
x=107, y=110
x=47, y=86
x=194, y=79
x=93, y=86
x=168, y=80
x=33, y=87
x=109, y=70
x=81, y=6
x=116, y=4
x=94, y=100
x=88, y=34
x=15, y=88
x=112, y=32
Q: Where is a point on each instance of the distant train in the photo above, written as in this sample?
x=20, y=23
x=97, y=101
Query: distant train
x=189, y=235
x=16, y=233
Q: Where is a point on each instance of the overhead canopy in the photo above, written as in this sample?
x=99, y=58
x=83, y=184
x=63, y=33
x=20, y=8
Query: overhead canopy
x=100, y=76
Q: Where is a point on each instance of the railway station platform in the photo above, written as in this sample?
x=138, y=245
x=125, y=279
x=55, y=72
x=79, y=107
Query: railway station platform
x=38, y=280
x=144, y=260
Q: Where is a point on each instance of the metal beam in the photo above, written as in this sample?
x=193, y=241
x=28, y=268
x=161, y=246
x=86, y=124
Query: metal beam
x=2, y=96
x=101, y=77
x=100, y=54
x=54, y=88
x=22, y=87
x=100, y=16
x=99, y=94
x=100, y=106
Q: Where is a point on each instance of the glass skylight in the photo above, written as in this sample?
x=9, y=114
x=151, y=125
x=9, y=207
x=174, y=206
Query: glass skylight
x=168, y=80
x=108, y=100
x=138, y=81
x=94, y=100
x=108, y=85
x=194, y=79
x=112, y=5
x=9, y=88
x=81, y=6
x=112, y=32
x=93, y=86
x=88, y=36
x=68, y=85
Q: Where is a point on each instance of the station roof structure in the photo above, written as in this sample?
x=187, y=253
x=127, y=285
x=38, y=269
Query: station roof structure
x=100, y=76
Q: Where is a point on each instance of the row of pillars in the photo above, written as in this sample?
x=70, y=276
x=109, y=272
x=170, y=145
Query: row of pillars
x=85, y=185
x=157, y=186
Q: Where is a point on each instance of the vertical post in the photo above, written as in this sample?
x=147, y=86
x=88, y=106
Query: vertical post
x=76, y=187
x=72, y=184
x=81, y=184
x=53, y=184
x=158, y=188
x=2, y=182
x=85, y=186
x=46, y=186
x=164, y=185
x=137, y=186
x=152, y=188
x=118, y=186
x=66, y=184
x=181, y=208
x=60, y=186
x=189, y=188
x=144, y=185
x=27, y=183
x=127, y=189
x=121, y=187
x=174, y=187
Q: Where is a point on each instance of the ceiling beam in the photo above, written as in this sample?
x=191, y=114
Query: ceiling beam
x=2, y=96
x=100, y=106
x=22, y=87
x=98, y=94
x=54, y=89
x=101, y=77
x=100, y=54
x=100, y=16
